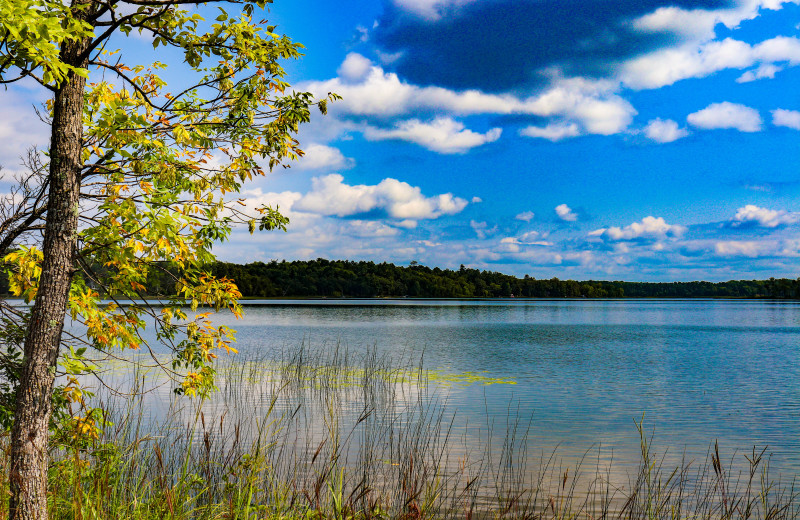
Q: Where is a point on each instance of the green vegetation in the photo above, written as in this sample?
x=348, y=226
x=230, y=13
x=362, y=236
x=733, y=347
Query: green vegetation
x=346, y=279
x=338, y=278
x=138, y=176
x=291, y=438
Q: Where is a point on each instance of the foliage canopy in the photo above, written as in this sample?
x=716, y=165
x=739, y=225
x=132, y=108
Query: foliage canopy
x=154, y=169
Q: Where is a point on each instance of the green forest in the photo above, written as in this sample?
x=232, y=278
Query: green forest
x=347, y=279
x=323, y=278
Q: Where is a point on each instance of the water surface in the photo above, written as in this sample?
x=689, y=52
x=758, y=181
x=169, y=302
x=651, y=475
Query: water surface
x=697, y=370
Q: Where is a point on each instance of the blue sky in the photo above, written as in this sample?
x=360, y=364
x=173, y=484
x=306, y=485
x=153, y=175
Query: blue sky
x=615, y=139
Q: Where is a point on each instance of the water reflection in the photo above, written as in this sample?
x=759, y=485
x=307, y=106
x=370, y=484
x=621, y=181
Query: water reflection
x=698, y=371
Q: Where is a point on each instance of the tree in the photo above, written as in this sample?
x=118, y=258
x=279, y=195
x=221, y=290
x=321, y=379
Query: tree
x=137, y=179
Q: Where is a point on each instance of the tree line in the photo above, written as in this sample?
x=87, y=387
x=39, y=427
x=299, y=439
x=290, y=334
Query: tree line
x=323, y=278
x=349, y=279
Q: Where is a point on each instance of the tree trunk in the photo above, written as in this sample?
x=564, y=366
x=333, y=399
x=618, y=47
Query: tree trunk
x=29, y=436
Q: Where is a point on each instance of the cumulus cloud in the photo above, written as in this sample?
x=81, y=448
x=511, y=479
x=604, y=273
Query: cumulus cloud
x=664, y=130
x=537, y=35
x=284, y=201
x=590, y=103
x=788, y=118
x=750, y=249
x=330, y=196
x=354, y=68
x=700, y=23
x=763, y=217
x=667, y=66
x=765, y=70
x=778, y=49
x=649, y=228
x=591, y=106
x=378, y=93
x=526, y=216
x=553, y=132
x=726, y=115
x=565, y=213
x=443, y=135
x=696, y=24
x=697, y=60
x=320, y=156
x=641, y=45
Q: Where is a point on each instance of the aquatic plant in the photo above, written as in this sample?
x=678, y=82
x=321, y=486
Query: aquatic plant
x=326, y=434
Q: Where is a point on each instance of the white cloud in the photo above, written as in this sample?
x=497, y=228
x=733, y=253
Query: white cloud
x=354, y=68
x=700, y=59
x=315, y=229
x=482, y=229
x=764, y=217
x=667, y=66
x=700, y=24
x=790, y=248
x=765, y=70
x=320, y=156
x=509, y=245
x=553, y=132
x=565, y=213
x=590, y=104
x=429, y=9
x=285, y=201
x=526, y=216
x=788, y=118
x=726, y=115
x=443, y=135
x=382, y=93
x=387, y=58
x=476, y=200
x=694, y=23
x=649, y=228
x=664, y=130
x=369, y=229
x=778, y=49
x=330, y=196
x=407, y=224
x=749, y=249
x=20, y=128
x=363, y=33
x=531, y=238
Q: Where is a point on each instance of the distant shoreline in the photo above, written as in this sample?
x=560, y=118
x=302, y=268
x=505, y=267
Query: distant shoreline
x=247, y=299
x=338, y=280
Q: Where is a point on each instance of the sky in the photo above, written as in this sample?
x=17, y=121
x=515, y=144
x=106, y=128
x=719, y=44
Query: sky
x=648, y=140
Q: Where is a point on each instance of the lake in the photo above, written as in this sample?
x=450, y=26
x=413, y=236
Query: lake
x=512, y=391
x=698, y=371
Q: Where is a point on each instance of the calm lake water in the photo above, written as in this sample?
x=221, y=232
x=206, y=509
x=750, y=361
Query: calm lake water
x=697, y=370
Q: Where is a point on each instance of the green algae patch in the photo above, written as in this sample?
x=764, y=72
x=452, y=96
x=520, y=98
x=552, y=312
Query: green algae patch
x=466, y=378
x=331, y=377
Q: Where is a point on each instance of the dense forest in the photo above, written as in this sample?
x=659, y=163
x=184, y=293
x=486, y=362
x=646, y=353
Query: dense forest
x=343, y=279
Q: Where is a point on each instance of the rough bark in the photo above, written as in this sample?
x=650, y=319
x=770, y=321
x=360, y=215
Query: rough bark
x=29, y=436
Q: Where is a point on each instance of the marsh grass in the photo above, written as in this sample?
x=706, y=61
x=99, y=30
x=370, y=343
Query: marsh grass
x=326, y=434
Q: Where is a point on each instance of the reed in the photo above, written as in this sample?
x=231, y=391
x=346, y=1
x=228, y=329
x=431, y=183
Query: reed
x=326, y=434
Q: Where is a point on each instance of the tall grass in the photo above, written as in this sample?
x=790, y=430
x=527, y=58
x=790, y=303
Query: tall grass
x=329, y=435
